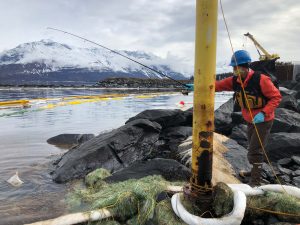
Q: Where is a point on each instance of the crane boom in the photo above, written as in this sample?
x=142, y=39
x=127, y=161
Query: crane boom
x=267, y=55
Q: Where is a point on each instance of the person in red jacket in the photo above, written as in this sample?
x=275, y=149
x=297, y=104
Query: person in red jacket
x=259, y=102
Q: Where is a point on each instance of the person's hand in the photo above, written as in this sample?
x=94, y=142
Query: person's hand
x=190, y=87
x=259, y=118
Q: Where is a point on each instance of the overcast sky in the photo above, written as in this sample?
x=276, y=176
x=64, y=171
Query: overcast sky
x=164, y=27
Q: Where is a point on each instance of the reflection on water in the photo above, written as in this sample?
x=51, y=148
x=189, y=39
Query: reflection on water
x=24, y=132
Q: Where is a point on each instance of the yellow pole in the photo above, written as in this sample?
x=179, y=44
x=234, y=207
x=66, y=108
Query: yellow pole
x=204, y=93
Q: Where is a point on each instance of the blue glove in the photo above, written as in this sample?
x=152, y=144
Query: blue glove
x=259, y=118
x=190, y=87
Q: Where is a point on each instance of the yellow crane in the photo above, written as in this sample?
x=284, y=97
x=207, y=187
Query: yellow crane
x=267, y=55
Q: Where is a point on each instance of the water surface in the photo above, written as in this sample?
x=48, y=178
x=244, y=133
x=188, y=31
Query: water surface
x=24, y=131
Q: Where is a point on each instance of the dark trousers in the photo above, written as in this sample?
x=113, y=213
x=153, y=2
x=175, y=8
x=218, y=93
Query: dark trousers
x=255, y=151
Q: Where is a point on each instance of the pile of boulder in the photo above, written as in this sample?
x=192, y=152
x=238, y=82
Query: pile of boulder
x=156, y=134
x=149, y=135
x=283, y=148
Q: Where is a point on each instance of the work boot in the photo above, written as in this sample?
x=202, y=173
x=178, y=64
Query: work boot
x=255, y=179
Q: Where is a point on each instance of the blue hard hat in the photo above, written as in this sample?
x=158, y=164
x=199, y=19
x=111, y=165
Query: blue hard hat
x=241, y=57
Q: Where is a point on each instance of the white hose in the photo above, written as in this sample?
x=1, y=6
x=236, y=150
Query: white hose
x=293, y=191
x=248, y=190
x=235, y=217
x=76, y=218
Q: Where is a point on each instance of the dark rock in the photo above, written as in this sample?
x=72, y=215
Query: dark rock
x=289, y=84
x=188, y=115
x=237, y=118
x=287, y=92
x=285, y=162
x=296, y=181
x=112, y=151
x=239, y=134
x=69, y=140
x=175, y=136
x=236, y=156
x=296, y=159
x=267, y=172
x=286, y=121
x=289, y=102
x=171, y=170
x=296, y=87
x=284, y=170
x=285, y=179
x=294, y=167
x=223, y=120
x=296, y=173
x=297, y=96
x=297, y=77
x=165, y=117
x=283, y=145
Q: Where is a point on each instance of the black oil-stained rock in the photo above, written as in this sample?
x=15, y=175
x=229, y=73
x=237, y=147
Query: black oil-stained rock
x=174, y=136
x=112, y=151
x=165, y=117
x=283, y=145
x=169, y=169
x=69, y=140
x=223, y=119
x=239, y=134
x=286, y=121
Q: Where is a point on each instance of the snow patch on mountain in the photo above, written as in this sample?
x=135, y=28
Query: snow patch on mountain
x=57, y=56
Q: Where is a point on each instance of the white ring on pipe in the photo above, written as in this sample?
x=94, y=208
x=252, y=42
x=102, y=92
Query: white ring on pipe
x=235, y=217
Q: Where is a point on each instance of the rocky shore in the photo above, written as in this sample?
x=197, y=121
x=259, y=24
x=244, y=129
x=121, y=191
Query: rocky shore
x=141, y=83
x=150, y=143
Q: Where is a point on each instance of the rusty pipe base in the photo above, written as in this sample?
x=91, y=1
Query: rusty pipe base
x=201, y=198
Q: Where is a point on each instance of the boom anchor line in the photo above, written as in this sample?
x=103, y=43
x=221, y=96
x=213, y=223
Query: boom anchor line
x=118, y=53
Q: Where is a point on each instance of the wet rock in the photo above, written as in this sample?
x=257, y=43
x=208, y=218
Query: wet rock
x=173, y=136
x=283, y=145
x=285, y=161
x=296, y=173
x=289, y=102
x=296, y=159
x=286, y=121
x=287, y=91
x=239, y=134
x=296, y=87
x=289, y=84
x=169, y=169
x=285, y=179
x=237, y=118
x=296, y=181
x=69, y=140
x=284, y=170
x=165, y=117
x=236, y=156
x=223, y=120
x=112, y=151
x=267, y=173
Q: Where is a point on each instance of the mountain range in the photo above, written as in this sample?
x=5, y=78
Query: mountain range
x=47, y=62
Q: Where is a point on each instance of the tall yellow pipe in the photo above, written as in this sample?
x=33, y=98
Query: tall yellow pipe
x=204, y=92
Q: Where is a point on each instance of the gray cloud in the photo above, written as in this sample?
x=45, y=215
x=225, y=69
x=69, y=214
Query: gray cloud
x=165, y=27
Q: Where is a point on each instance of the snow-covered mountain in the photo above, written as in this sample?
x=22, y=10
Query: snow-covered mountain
x=57, y=63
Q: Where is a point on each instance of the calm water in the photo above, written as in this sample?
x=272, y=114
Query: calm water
x=24, y=132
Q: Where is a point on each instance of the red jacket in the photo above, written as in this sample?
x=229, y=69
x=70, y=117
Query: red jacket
x=268, y=89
